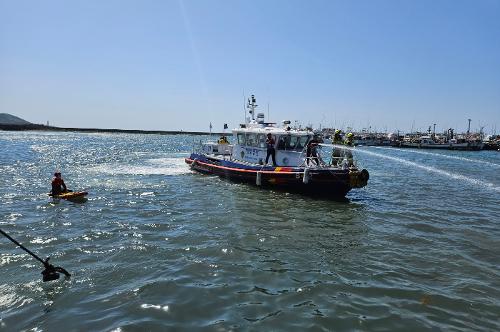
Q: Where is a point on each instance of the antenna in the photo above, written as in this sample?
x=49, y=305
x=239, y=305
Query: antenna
x=251, y=105
x=244, y=110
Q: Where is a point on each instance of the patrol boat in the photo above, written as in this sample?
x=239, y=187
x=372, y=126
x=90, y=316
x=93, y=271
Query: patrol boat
x=302, y=164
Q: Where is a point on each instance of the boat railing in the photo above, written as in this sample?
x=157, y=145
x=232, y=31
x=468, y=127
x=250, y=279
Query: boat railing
x=328, y=156
x=215, y=148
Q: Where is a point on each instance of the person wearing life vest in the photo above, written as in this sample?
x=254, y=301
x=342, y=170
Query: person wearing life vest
x=349, y=141
x=270, y=142
x=58, y=185
x=337, y=139
x=223, y=140
x=337, y=152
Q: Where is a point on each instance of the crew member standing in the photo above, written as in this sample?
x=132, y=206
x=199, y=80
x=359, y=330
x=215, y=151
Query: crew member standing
x=312, y=151
x=349, y=141
x=270, y=149
x=336, y=153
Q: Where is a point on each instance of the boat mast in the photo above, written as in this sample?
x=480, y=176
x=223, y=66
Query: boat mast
x=251, y=105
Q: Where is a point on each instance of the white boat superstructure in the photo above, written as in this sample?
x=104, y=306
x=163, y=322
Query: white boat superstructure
x=250, y=140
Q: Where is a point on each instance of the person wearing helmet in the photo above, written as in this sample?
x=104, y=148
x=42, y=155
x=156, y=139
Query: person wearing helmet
x=337, y=152
x=58, y=185
x=349, y=141
x=337, y=139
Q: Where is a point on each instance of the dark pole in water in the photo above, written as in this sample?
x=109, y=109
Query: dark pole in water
x=51, y=272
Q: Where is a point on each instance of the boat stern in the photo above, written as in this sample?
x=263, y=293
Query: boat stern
x=358, y=179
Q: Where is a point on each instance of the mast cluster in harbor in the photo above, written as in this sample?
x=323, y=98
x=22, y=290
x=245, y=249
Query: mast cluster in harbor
x=430, y=139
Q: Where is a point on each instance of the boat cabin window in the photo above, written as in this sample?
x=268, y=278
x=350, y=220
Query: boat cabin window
x=301, y=143
x=251, y=140
x=241, y=139
x=261, y=140
x=292, y=143
x=282, y=142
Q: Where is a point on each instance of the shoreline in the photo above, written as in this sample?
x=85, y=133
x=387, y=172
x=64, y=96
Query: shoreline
x=33, y=127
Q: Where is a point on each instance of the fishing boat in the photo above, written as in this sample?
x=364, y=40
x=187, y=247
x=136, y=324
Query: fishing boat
x=301, y=164
x=429, y=142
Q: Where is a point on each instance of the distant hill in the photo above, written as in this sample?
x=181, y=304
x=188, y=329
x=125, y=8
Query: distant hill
x=8, y=119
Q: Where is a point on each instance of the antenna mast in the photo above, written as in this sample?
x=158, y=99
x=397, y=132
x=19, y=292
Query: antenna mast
x=251, y=105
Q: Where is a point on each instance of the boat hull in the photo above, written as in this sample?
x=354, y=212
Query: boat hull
x=310, y=181
x=444, y=146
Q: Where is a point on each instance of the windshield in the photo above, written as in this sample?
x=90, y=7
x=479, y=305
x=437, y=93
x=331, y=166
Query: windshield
x=292, y=143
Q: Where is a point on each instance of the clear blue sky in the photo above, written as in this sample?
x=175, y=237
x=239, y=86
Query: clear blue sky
x=171, y=65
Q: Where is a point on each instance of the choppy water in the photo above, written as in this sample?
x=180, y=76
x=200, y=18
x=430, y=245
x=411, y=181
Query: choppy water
x=157, y=247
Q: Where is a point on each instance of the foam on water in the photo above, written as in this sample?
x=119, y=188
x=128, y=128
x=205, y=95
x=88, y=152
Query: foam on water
x=443, y=156
x=158, y=166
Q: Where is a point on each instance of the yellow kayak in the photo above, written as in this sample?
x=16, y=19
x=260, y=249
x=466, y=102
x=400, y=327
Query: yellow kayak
x=72, y=195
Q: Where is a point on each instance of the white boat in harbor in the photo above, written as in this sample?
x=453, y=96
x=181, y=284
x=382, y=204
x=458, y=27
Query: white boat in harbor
x=428, y=142
x=300, y=165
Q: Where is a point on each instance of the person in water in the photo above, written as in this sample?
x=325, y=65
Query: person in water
x=58, y=185
x=270, y=149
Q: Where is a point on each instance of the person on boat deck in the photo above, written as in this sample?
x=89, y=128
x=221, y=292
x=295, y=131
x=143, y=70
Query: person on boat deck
x=270, y=149
x=312, y=150
x=58, y=185
x=337, y=152
x=349, y=141
x=223, y=140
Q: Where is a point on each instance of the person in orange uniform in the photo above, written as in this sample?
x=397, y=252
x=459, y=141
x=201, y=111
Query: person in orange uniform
x=58, y=185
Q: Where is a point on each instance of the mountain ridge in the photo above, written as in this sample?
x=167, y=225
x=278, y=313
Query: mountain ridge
x=9, y=119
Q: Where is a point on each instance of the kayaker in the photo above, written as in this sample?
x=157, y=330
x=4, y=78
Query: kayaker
x=58, y=185
x=270, y=142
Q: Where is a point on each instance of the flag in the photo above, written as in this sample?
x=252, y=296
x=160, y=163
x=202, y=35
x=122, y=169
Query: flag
x=225, y=125
x=210, y=126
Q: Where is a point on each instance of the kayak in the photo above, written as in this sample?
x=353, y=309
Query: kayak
x=72, y=195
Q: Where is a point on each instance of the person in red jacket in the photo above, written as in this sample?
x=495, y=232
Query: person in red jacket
x=58, y=185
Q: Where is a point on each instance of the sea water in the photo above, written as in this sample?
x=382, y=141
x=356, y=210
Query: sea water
x=157, y=247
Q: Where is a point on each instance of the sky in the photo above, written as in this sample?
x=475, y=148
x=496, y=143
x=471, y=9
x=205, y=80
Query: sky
x=384, y=65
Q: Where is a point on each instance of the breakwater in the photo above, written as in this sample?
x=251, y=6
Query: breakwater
x=38, y=127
